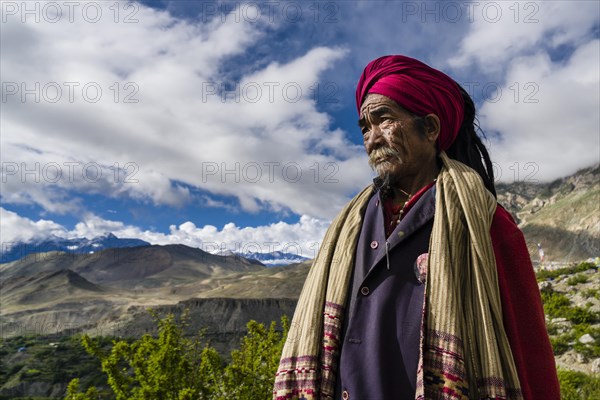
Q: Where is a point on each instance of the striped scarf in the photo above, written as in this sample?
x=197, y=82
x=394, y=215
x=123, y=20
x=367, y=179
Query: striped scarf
x=463, y=355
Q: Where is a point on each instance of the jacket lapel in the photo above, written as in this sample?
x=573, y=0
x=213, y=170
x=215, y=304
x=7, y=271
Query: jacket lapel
x=420, y=213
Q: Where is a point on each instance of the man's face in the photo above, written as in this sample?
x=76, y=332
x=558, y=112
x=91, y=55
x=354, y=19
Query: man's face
x=394, y=144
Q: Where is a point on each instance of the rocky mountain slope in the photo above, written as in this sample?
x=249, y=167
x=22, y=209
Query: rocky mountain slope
x=96, y=293
x=563, y=216
x=222, y=320
x=571, y=297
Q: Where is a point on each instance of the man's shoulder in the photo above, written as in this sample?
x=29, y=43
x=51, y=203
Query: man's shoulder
x=504, y=217
x=503, y=225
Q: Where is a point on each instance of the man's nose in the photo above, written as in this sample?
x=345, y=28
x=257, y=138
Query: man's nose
x=374, y=139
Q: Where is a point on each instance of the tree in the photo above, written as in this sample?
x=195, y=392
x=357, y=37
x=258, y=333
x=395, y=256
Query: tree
x=173, y=367
x=251, y=373
x=74, y=394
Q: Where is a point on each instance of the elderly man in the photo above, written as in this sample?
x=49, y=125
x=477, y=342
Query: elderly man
x=423, y=287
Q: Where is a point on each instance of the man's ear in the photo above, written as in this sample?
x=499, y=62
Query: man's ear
x=432, y=127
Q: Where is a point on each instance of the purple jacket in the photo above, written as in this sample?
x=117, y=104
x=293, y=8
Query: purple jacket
x=380, y=347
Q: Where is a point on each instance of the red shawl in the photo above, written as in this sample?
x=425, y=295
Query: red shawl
x=522, y=311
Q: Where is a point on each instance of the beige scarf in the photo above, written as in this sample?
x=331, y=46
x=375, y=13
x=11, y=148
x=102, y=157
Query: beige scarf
x=464, y=352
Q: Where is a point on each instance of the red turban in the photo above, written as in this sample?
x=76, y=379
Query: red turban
x=418, y=88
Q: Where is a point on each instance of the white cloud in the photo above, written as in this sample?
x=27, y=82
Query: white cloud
x=301, y=238
x=180, y=132
x=553, y=130
x=179, y=125
x=544, y=58
x=502, y=31
x=14, y=228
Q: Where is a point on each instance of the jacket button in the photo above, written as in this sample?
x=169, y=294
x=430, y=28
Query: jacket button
x=364, y=290
x=374, y=244
x=345, y=395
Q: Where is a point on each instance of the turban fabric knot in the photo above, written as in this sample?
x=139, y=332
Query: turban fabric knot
x=418, y=88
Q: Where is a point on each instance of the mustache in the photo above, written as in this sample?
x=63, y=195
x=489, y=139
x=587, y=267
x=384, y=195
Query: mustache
x=380, y=155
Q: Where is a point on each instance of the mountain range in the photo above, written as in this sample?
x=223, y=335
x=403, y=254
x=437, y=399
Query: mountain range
x=61, y=291
x=84, y=287
x=272, y=259
x=19, y=250
x=104, y=286
x=16, y=251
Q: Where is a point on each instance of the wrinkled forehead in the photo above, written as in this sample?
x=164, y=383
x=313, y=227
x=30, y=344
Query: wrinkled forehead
x=375, y=100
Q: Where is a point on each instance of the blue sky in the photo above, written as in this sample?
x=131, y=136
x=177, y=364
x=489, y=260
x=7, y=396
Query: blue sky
x=233, y=125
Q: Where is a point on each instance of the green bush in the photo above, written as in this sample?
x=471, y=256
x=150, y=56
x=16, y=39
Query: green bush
x=577, y=279
x=561, y=344
x=558, y=305
x=555, y=304
x=173, y=367
x=566, y=341
x=545, y=274
x=580, y=315
x=594, y=293
x=577, y=385
x=590, y=350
